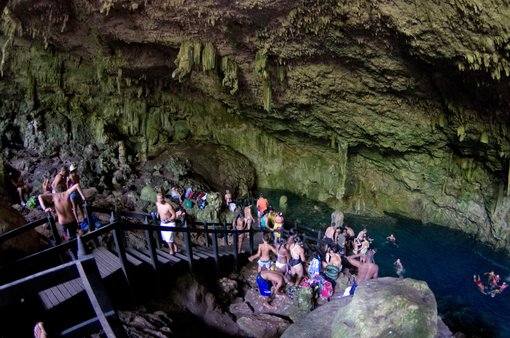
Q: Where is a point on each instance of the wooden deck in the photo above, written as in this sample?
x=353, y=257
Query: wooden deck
x=108, y=264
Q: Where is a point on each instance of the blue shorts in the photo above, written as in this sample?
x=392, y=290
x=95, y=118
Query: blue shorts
x=264, y=286
x=75, y=197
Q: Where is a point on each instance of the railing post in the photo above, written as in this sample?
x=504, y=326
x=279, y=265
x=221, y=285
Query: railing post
x=189, y=250
x=159, y=241
x=215, y=250
x=225, y=234
x=236, y=254
x=252, y=246
x=206, y=229
x=151, y=244
x=319, y=236
x=92, y=226
x=54, y=230
x=118, y=237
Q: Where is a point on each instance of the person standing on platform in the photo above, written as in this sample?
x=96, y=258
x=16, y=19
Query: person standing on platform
x=167, y=216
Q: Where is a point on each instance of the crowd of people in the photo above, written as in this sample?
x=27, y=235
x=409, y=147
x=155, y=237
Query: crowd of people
x=281, y=257
x=494, y=285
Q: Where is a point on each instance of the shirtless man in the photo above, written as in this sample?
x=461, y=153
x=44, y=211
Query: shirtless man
x=269, y=283
x=240, y=224
x=366, y=271
x=330, y=235
x=167, y=216
x=391, y=238
x=60, y=181
x=63, y=207
x=297, y=255
x=263, y=253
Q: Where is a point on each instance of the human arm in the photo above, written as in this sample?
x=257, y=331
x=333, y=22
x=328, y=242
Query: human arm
x=352, y=260
x=252, y=257
x=76, y=187
x=42, y=198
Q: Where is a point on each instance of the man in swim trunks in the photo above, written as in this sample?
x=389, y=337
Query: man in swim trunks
x=63, y=207
x=330, y=235
x=263, y=253
x=269, y=283
x=366, y=270
x=167, y=215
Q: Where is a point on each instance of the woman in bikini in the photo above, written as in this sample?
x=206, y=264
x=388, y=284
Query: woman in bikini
x=283, y=256
x=297, y=254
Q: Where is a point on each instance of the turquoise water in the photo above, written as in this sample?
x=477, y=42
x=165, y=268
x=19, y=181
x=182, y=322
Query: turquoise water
x=446, y=259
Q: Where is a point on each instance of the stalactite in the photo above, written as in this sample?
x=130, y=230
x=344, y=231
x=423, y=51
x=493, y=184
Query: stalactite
x=184, y=61
x=342, y=161
x=229, y=69
x=208, y=57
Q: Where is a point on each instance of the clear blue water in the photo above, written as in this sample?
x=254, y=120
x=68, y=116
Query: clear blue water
x=446, y=259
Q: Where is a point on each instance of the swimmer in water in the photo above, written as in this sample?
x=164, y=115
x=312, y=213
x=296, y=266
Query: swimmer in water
x=399, y=268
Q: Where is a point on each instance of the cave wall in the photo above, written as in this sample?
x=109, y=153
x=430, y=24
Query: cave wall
x=371, y=106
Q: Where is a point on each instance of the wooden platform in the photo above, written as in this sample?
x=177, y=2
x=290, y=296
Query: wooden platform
x=107, y=263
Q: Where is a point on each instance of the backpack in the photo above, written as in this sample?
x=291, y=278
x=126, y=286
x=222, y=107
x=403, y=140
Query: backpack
x=315, y=267
x=327, y=289
x=331, y=272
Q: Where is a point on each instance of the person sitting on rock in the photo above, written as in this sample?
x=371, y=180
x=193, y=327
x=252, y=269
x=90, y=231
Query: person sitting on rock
x=175, y=194
x=269, y=283
x=366, y=270
x=263, y=253
x=16, y=179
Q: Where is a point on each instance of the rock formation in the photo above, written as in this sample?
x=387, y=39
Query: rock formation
x=371, y=106
x=379, y=308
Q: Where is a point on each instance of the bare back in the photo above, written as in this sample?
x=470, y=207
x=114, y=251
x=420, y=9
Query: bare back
x=265, y=249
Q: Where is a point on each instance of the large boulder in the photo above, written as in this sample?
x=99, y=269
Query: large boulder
x=388, y=306
x=263, y=325
x=379, y=308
